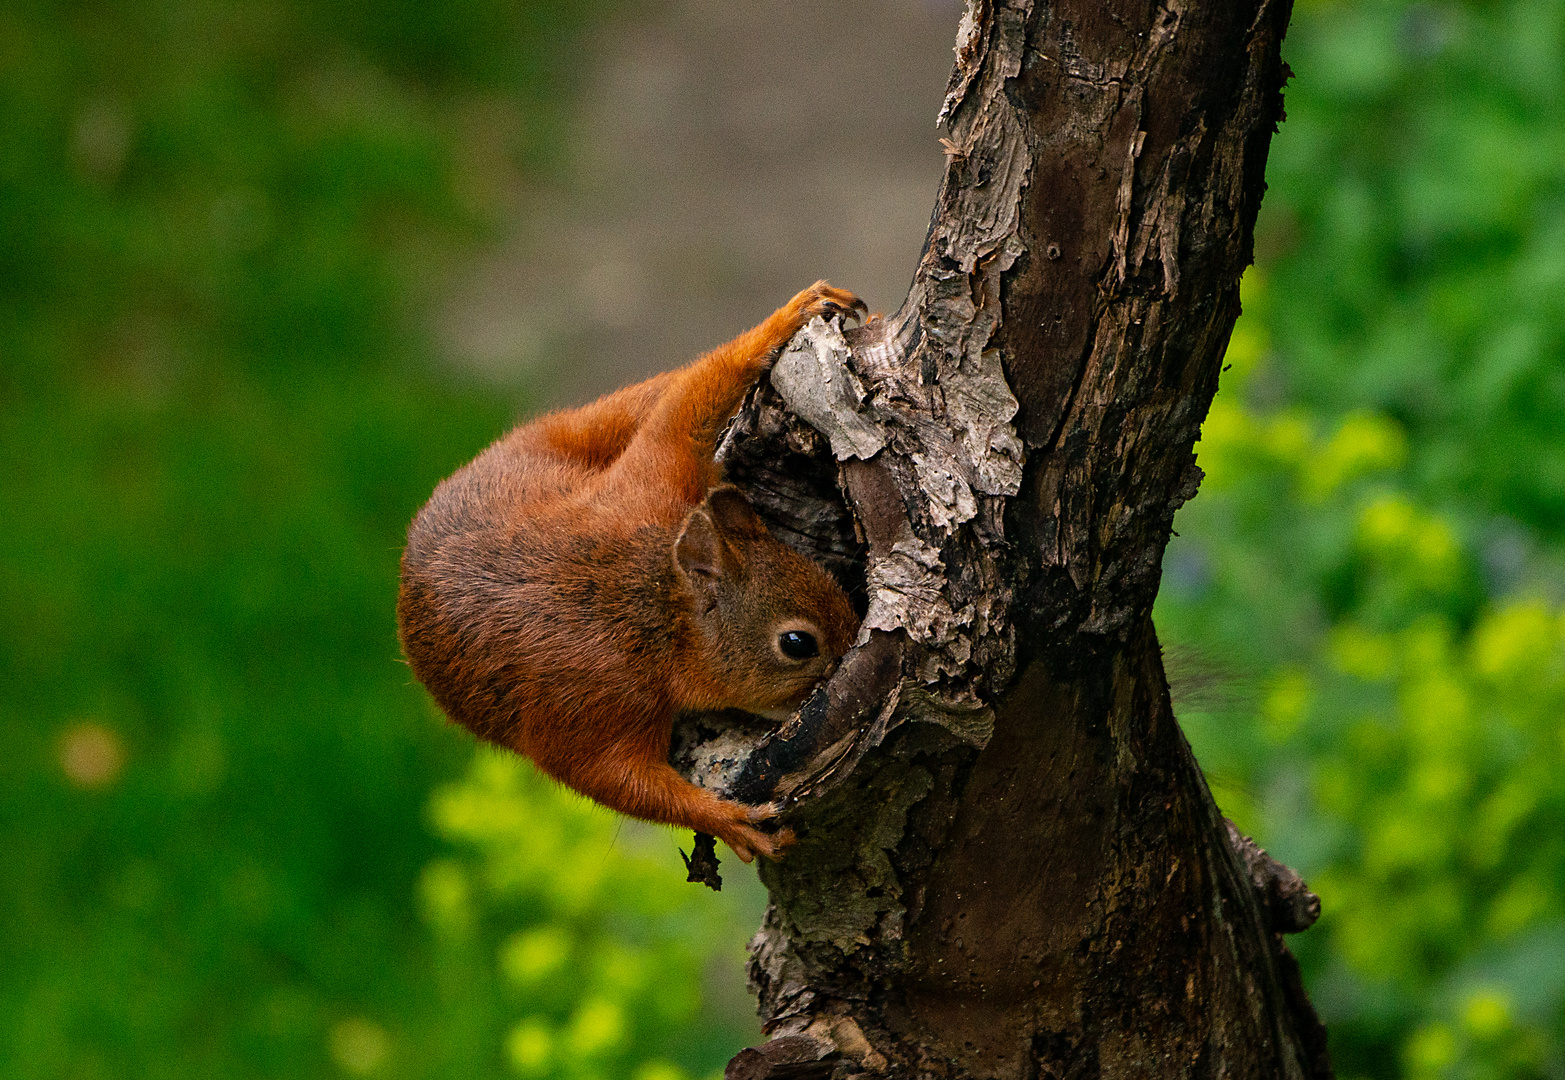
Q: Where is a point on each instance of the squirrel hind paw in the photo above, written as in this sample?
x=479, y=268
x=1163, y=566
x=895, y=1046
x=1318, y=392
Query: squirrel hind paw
x=827, y=300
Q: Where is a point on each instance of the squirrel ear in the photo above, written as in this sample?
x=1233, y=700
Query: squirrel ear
x=732, y=513
x=701, y=553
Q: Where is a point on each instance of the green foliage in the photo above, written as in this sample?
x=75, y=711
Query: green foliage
x=1377, y=549
x=602, y=941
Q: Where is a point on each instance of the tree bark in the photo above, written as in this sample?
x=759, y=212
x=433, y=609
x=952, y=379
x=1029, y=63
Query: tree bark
x=1009, y=864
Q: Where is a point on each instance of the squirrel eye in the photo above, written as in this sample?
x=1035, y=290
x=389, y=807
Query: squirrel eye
x=797, y=645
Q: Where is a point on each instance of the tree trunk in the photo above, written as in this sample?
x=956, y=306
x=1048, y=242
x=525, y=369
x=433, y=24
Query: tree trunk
x=1009, y=864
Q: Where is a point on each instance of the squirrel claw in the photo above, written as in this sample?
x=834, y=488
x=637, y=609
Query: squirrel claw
x=747, y=841
x=765, y=812
x=778, y=840
x=846, y=311
x=752, y=842
x=828, y=301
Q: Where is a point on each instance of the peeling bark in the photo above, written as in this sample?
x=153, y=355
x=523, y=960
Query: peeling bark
x=1009, y=864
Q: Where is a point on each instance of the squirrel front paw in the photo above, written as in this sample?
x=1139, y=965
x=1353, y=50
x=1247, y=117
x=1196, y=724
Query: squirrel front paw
x=747, y=841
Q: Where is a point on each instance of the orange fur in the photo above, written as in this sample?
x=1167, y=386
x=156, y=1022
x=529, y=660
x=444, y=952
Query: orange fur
x=587, y=577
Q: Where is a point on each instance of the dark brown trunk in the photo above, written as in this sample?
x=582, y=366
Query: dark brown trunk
x=1010, y=865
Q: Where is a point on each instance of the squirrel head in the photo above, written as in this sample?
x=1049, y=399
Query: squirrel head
x=771, y=622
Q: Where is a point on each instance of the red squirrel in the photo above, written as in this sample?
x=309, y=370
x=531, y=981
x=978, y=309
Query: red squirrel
x=589, y=576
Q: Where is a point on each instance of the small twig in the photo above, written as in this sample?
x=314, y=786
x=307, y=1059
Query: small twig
x=701, y=863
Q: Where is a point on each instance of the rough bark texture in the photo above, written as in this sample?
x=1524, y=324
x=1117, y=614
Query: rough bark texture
x=1009, y=864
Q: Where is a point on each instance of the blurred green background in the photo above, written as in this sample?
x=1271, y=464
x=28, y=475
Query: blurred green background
x=239, y=840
